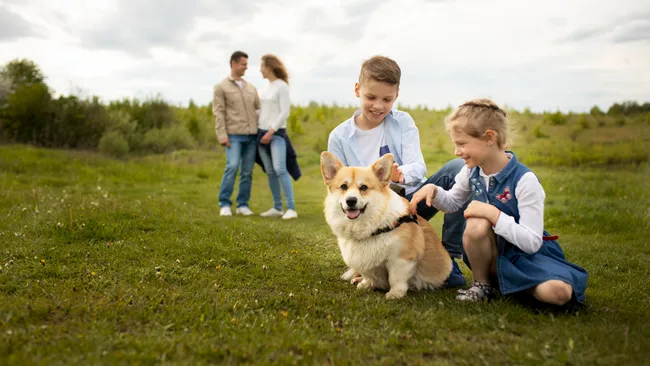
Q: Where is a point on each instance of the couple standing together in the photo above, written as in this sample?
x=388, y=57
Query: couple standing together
x=252, y=128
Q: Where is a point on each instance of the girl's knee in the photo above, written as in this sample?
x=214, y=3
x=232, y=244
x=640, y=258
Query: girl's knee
x=476, y=229
x=554, y=292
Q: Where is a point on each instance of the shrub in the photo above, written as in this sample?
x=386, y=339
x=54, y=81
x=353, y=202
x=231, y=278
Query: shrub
x=114, y=144
x=77, y=123
x=583, y=123
x=575, y=132
x=595, y=111
x=556, y=118
x=162, y=140
x=27, y=114
x=538, y=133
x=620, y=121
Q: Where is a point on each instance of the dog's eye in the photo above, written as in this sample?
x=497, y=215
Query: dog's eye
x=344, y=187
x=363, y=188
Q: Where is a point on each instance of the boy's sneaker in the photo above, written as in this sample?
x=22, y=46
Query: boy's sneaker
x=290, y=214
x=244, y=210
x=477, y=292
x=225, y=211
x=272, y=213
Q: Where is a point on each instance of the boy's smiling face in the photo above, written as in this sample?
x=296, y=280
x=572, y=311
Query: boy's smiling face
x=377, y=99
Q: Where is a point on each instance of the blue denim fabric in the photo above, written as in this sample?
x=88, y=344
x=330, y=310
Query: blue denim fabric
x=275, y=165
x=453, y=224
x=239, y=156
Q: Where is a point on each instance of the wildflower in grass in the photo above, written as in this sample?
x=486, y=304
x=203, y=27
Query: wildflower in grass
x=43, y=262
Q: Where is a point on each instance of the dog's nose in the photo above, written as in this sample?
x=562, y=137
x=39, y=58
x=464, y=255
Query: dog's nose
x=351, y=201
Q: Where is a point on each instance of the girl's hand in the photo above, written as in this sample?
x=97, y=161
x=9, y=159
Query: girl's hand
x=482, y=210
x=427, y=192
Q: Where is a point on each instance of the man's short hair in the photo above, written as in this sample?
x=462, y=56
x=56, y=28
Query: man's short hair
x=380, y=68
x=237, y=55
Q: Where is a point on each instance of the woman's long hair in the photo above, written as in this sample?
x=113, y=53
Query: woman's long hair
x=274, y=63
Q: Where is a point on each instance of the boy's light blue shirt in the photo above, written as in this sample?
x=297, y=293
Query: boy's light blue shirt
x=403, y=140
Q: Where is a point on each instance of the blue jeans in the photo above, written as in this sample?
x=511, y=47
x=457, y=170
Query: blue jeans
x=453, y=224
x=275, y=165
x=240, y=155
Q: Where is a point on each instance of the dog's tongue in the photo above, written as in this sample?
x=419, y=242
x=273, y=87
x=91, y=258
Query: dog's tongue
x=352, y=213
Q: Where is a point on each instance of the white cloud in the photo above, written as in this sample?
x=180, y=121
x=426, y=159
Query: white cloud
x=545, y=55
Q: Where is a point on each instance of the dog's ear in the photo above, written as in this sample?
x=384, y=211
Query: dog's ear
x=383, y=168
x=329, y=165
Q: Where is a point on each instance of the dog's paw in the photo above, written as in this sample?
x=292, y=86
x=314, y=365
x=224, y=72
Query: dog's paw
x=356, y=280
x=395, y=294
x=349, y=275
x=364, y=285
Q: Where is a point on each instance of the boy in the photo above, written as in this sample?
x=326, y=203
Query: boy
x=376, y=129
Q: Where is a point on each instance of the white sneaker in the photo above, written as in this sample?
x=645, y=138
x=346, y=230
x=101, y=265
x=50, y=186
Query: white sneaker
x=272, y=213
x=290, y=214
x=225, y=211
x=244, y=210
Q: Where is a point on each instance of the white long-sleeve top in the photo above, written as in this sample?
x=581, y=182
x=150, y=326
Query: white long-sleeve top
x=527, y=234
x=275, y=106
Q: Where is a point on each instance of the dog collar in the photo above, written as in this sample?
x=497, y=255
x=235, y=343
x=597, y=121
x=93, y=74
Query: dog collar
x=396, y=224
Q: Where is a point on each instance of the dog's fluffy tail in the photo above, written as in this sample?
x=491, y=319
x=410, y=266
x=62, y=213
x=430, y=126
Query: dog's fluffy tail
x=348, y=275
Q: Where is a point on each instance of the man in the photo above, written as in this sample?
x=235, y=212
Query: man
x=235, y=105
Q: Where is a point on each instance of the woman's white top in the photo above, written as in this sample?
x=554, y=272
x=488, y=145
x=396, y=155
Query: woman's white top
x=275, y=106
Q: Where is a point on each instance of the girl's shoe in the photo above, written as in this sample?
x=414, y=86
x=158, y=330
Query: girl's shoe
x=477, y=292
x=272, y=213
x=290, y=214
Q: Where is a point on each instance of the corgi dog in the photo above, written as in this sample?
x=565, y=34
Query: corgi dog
x=380, y=239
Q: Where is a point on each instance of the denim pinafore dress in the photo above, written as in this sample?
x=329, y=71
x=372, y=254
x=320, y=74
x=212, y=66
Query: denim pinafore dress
x=517, y=270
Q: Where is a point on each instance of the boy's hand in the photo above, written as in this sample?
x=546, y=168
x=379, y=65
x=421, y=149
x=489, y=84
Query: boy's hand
x=482, y=210
x=396, y=175
x=428, y=193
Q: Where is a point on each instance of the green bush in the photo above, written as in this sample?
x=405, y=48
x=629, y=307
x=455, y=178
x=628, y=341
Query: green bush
x=169, y=139
x=77, y=123
x=538, y=133
x=620, y=121
x=556, y=118
x=595, y=111
x=26, y=116
x=113, y=143
x=583, y=123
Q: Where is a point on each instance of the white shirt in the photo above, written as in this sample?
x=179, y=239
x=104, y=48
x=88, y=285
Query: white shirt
x=527, y=235
x=370, y=143
x=275, y=106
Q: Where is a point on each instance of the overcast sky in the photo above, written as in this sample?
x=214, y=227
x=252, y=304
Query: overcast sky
x=546, y=55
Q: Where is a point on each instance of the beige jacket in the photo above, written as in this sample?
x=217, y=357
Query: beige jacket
x=235, y=109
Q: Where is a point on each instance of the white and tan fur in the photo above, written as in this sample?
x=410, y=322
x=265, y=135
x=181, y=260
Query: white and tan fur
x=410, y=256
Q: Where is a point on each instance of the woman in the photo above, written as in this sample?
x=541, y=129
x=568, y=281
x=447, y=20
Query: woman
x=274, y=111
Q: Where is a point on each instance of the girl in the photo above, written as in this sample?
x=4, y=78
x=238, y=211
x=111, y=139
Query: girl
x=274, y=142
x=504, y=242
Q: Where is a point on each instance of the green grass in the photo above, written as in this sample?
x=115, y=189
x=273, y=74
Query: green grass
x=107, y=261
x=139, y=268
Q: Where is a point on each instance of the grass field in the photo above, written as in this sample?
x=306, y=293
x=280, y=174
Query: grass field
x=107, y=261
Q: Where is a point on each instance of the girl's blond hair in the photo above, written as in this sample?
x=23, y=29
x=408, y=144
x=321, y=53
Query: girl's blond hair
x=477, y=116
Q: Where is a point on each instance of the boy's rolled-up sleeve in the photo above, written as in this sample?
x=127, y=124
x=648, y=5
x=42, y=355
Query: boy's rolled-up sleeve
x=413, y=167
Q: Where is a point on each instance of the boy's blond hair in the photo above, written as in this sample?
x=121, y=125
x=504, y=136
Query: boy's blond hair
x=380, y=68
x=477, y=116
